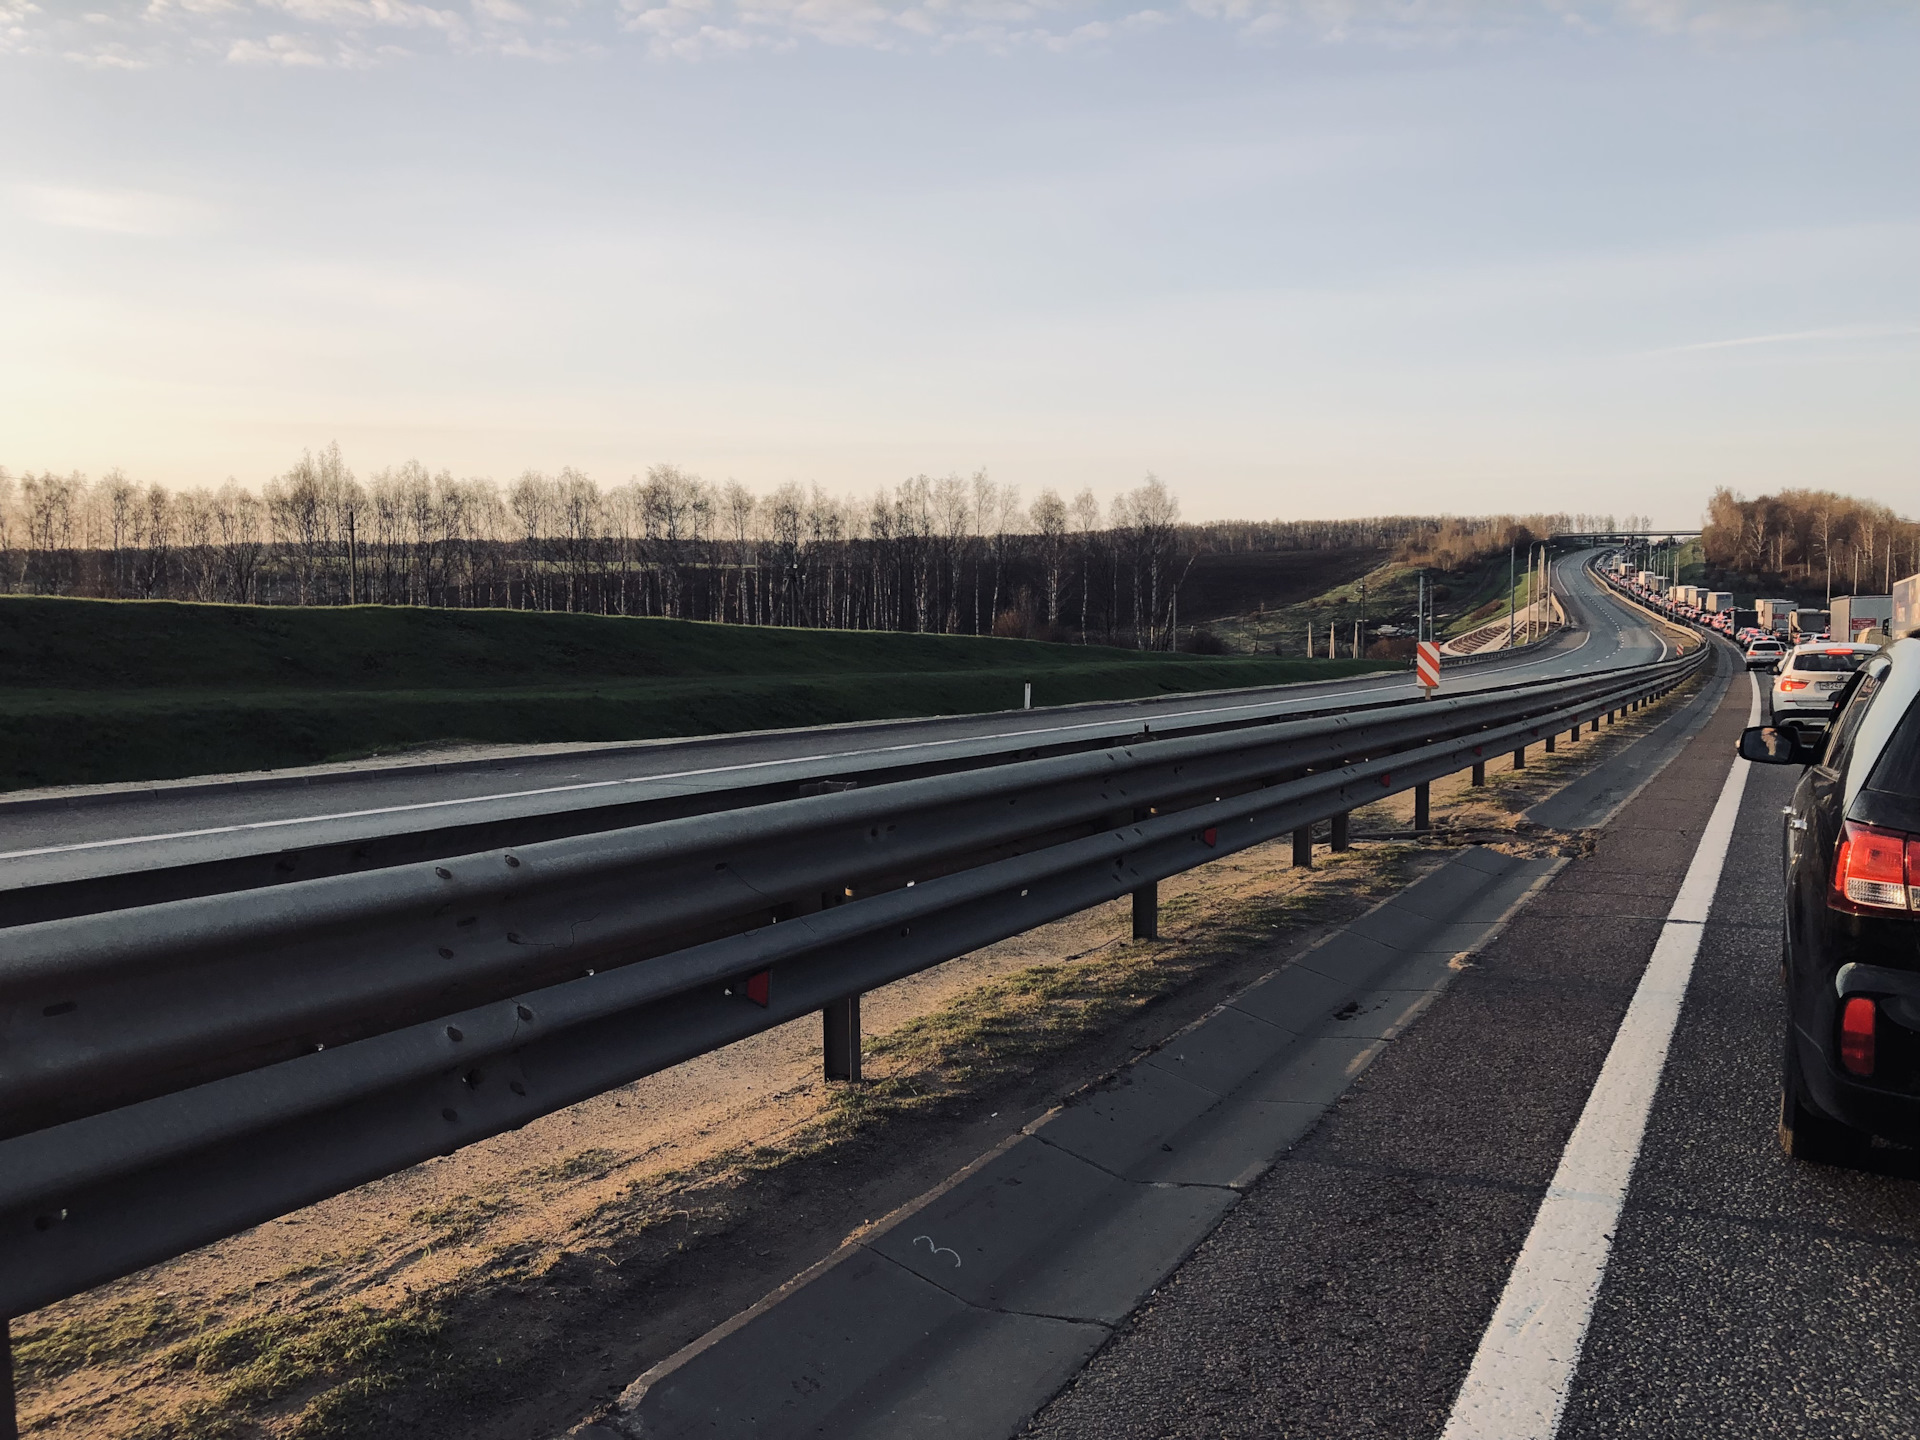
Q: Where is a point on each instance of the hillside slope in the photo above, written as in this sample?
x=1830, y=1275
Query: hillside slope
x=95, y=691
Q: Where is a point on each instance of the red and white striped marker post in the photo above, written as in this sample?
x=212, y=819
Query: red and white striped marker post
x=1427, y=665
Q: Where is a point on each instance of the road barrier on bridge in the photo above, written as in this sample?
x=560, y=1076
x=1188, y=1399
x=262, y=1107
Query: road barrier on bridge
x=172, y=1072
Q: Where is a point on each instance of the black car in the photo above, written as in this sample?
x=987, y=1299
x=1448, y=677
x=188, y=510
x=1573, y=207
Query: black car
x=1852, y=923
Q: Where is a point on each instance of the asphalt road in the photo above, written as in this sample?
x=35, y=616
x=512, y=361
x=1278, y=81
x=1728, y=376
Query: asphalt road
x=1611, y=635
x=1746, y=1295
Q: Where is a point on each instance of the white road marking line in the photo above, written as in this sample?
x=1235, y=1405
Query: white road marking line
x=252, y=826
x=1522, y=1374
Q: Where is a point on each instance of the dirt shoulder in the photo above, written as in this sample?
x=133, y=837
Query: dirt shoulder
x=507, y=1291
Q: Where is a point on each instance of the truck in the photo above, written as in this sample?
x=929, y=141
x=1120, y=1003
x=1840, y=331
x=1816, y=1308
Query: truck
x=1807, y=623
x=1853, y=614
x=1906, y=608
x=1717, y=600
x=1774, y=613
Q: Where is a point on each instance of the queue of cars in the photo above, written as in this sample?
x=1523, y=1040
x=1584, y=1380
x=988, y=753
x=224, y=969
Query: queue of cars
x=1850, y=946
x=1720, y=620
x=1850, y=949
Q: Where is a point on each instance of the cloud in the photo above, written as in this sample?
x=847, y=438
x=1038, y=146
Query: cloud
x=112, y=212
x=1799, y=337
x=289, y=50
x=133, y=33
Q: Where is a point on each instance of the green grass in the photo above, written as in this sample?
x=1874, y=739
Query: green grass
x=94, y=691
x=342, y=1359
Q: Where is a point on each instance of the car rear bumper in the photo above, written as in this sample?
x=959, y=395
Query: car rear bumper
x=1803, y=716
x=1861, y=1103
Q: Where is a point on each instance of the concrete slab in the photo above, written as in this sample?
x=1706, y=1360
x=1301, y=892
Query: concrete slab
x=1299, y=997
x=1115, y=1127
x=1488, y=862
x=1231, y=1145
x=1317, y=1072
x=1402, y=930
x=1351, y=959
x=1450, y=939
x=1119, y=1253
x=1221, y=1051
x=1379, y=1014
x=980, y=1378
x=998, y=1220
x=1438, y=895
x=832, y=1330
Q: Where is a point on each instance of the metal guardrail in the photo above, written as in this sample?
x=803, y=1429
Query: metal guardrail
x=172, y=1072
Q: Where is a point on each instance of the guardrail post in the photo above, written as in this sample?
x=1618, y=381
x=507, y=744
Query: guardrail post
x=1594, y=727
x=1520, y=758
x=1573, y=735
x=1146, y=911
x=1479, y=773
x=1421, y=818
x=1303, y=848
x=1341, y=841
x=840, y=1034
x=1550, y=739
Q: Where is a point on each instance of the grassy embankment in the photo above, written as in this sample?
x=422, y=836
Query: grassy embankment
x=1388, y=592
x=97, y=690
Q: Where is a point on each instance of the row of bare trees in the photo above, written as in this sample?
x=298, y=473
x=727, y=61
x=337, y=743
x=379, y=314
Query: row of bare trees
x=1454, y=542
x=954, y=554
x=1810, y=540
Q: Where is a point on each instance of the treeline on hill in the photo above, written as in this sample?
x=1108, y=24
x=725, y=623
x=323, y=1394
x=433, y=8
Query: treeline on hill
x=955, y=555
x=1456, y=542
x=1806, y=543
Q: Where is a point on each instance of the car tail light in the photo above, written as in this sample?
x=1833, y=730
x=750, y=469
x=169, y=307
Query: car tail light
x=1856, y=1035
x=1870, y=867
x=1795, y=684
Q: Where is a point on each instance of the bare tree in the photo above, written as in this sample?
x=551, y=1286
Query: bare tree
x=1049, y=518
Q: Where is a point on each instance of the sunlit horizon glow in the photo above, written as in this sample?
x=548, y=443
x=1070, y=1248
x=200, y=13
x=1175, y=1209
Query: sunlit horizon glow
x=1300, y=260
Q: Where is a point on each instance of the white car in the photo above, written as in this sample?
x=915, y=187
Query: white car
x=1810, y=680
x=1764, y=654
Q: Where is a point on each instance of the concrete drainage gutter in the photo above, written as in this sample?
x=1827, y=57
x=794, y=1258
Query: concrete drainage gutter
x=966, y=1310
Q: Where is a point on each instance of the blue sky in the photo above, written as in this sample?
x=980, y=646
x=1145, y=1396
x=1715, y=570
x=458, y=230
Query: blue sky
x=1297, y=259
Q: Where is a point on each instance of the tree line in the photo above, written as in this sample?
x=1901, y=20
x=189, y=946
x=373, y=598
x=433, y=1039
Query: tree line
x=1807, y=541
x=954, y=554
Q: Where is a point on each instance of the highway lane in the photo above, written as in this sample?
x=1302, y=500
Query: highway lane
x=1746, y=1295
x=154, y=818
x=1749, y=1295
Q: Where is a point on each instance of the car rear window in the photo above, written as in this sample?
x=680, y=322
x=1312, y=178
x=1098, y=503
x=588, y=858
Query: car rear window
x=1837, y=664
x=1898, y=770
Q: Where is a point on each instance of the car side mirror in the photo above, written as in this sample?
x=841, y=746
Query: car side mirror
x=1769, y=745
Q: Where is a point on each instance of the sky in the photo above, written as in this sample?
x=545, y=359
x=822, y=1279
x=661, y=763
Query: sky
x=1300, y=260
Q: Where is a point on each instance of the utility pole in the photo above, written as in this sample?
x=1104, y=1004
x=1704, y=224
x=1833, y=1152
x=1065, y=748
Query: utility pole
x=1510, y=604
